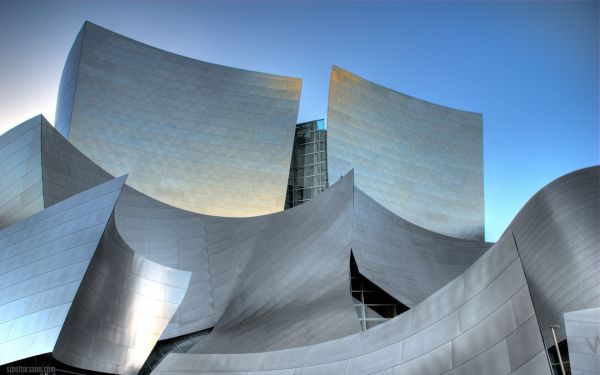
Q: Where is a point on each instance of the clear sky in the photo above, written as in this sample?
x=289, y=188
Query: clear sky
x=531, y=68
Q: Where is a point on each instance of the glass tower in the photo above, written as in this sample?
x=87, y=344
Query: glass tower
x=308, y=167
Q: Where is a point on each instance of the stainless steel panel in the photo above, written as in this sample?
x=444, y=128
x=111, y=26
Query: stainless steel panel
x=492, y=331
x=558, y=235
x=124, y=303
x=198, y=136
x=405, y=260
x=422, y=161
x=583, y=336
x=20, y=172
x=34, y=301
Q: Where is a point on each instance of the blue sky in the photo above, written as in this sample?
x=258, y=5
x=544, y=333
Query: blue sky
x=531, y=68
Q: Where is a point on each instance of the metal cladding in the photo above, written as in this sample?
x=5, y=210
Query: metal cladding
x=405, y=260
x=71, y=287
x=198, y=136
x=96, y=272
x=43, y=260
x=246, y=281
x=232, y=260
x=120, y=310
x=21, y=191
x=583, y=335
x=422, y=161
x=482, y=322
x=34, y=149
x=558, y=236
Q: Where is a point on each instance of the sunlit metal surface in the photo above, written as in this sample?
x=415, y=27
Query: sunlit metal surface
x=558, y=236
x=582, y=329
x=422, y=161
x=280, y=281
x=96, y=274
x=407, y=261
x=34, y=149
x=43, y=260
x=482, y=322
x=198, y=136
x=120, y=310
x=264, y=283
x=21, y=191
x=228, y=256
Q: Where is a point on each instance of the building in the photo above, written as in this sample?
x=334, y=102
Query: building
x=111, y=261
x=198, y=136
x=421, y=160
x=308, y=168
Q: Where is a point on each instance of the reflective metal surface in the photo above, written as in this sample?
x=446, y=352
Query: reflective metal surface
x=227, y=256
x=422, y=161
x=558, y=236
x=198, y=136
x=407, y=261
x=96, y=272
x=120, y=310
x=72, y=287
x=21, y=191
x=256, y=280
x=30, y=151
x=43, y=260
x=482, y=322
x=582, y=328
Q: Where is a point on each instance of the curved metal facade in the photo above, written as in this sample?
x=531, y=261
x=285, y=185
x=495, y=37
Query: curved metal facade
x=198, y=136
x=39, y=168
x=122, y=306
x=583, y=332
x=226, y=255
x=70, y=286
x=487, y=320
x=422, y=161
x=96, y=272
x=483, y=322
x=558, y=236
x=254, y=280
x=43, y=260
x=407, y=261
x=21, y=191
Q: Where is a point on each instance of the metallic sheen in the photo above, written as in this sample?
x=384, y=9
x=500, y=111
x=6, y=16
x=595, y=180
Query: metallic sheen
x=202, y=137
x=422, y=161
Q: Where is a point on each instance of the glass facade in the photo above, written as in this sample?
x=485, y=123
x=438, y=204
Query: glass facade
x=554, y=361
x=308, y=167
x=372, y=304
x=181, y=344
